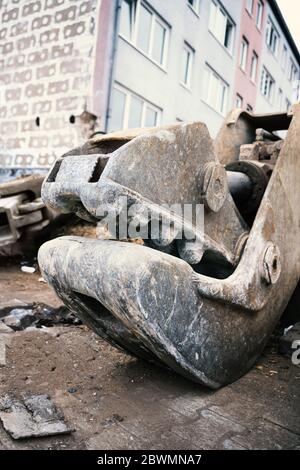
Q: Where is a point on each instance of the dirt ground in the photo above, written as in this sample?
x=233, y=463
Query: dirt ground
x=114, y=401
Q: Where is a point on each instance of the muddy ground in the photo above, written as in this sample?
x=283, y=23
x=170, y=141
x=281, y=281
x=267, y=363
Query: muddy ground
x=114, y=401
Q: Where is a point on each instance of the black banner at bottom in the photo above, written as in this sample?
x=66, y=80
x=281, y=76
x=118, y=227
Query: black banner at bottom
x=139, y=459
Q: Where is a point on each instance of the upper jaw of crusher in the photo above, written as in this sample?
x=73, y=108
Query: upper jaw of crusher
x=203, y=304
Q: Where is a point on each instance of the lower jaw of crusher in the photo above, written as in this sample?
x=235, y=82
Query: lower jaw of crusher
x=147, y=303
x=140, y=300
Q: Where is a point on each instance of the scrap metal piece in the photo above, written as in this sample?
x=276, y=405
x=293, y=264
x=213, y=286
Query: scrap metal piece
x=21, y=209
x=8, y=208
x=28, y=183
x=204, y=307
x=13, y=220
x=33, y=416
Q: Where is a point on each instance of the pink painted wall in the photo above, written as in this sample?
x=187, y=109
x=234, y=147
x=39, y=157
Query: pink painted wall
x=243, y=84
x=102, y=57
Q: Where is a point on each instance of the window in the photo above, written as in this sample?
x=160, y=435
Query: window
x=238, y=101
x=130, y=111
x=254, y=63
x=288, y=104
x=267, y=85
x=127, y=18
x=249, y=108
x=144, y=29
x=244, y=54
x=151, y=116
x=215, y=91
x=284, y=57
x=249, y=6
x=118, y=109
x=187, y=65
x=293, y=72
x=135, y=113
x=259, y=14
x=221, y=25
x=272, y=37
x=195, y=4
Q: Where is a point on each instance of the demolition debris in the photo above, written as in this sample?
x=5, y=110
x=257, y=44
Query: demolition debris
x=32, y=416
x=38, y=316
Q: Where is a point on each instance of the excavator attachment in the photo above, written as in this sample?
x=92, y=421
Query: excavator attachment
x=198, y=251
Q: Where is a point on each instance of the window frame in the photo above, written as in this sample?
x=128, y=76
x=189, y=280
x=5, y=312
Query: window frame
x=252, y=7
x=155, y=18
x=132, y=19
x=271, y=85
x=259, y=14
x=190, y=65
x=207, y=88
x=239, y=98
x=269, y=39
x=229, y=20
x=254, y=56
x=243, y=61
x=126, y=115
x=293, y=71
x=196, y=9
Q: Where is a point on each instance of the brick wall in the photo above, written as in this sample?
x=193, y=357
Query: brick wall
x=46, y=65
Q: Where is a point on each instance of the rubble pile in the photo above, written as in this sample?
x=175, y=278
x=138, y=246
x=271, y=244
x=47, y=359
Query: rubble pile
x=38, y=316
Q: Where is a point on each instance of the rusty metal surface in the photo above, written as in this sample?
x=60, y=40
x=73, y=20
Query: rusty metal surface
x=167, y=166
x=28, y=183
x=22, y=212
x=240, y=127
x=204, y=308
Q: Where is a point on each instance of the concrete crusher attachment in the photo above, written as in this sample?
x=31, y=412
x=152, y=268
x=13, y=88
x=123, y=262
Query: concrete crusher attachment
x=204, y=305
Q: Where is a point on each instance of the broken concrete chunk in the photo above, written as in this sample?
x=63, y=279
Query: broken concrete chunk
x=19, y=318
x=42, y=408
x=32, y=416
x=287, y=341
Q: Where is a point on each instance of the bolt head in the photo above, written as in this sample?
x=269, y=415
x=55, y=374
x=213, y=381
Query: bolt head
x=271, y=264
x=214, y=186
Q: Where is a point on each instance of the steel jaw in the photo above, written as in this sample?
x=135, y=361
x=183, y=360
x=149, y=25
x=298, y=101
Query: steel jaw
x=204, y=307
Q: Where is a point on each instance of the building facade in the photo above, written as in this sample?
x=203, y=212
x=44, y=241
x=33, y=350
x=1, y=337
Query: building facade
x=174, y=64
x=52, y=85
x=70, y=67
x=249, y=53
x=279, y=67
